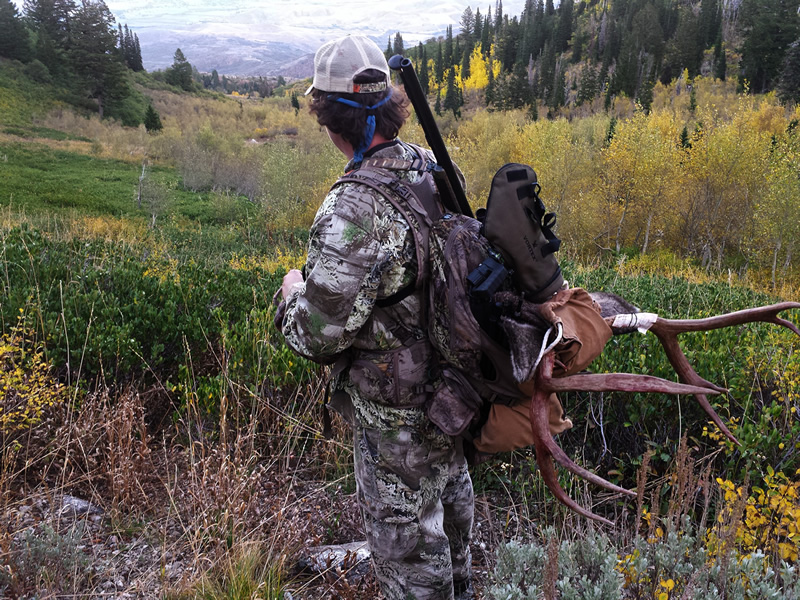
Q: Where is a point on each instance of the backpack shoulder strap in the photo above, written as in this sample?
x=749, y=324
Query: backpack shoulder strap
x=416, y=202
x=422, y=196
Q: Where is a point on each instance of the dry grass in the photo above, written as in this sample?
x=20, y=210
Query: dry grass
x=203, y=508
x=211, y=502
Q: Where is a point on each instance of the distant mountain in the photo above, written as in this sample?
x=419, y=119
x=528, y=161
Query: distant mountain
x=278, y=37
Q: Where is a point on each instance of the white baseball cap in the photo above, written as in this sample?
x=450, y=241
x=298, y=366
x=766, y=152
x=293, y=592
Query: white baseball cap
x=337, y=63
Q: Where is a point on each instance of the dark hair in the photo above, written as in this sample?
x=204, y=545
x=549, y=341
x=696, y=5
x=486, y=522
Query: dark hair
x=351, y=122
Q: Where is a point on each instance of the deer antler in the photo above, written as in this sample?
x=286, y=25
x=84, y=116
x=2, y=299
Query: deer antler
x=666, y=330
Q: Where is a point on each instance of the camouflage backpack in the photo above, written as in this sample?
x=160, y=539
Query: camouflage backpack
x=469, y=260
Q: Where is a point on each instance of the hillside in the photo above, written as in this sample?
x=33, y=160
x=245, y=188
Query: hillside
x=549, y=59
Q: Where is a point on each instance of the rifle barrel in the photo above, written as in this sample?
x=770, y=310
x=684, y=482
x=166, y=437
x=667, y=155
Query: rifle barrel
x=432, y=135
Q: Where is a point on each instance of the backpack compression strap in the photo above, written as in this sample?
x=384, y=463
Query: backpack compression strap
x=415, y=202
x=546, y=221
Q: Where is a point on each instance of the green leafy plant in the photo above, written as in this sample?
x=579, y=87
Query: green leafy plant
x=45, y=560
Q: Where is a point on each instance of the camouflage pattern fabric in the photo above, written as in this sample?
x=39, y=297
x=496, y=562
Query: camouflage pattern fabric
x=417, y=503
x=413, y=486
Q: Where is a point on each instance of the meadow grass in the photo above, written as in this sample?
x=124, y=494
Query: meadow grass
x=40, y=179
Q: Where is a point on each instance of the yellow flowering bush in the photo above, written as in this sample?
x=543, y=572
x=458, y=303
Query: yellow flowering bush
x=27, y=388
x=280, y=260
x=769, y=519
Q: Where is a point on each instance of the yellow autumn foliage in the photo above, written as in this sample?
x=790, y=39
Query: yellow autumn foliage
x=27, y=387
x=770, y=521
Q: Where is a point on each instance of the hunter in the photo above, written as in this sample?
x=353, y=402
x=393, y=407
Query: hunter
x=356, y=304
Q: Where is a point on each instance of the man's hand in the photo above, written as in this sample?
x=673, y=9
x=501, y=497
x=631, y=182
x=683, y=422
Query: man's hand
x=289, y=280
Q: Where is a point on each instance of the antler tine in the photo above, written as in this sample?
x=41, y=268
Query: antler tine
x=667, y=331
x=547, y=449
x=623, y=382
x=761, y=314
x=706, y=405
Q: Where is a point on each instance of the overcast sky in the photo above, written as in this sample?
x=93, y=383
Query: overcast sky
x=255, y=37
x=413, y=18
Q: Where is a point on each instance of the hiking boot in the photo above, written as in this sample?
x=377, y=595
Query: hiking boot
x=463, y=590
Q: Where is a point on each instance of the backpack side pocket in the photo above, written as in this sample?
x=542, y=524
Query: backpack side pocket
x=454, y=404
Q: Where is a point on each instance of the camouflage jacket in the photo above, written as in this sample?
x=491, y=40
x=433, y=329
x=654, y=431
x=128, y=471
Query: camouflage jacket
x=361, y=251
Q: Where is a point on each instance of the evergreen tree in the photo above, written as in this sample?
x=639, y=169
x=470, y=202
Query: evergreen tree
x=772, y=25
x=525, y=49
x=138, y=65
x=438, y=64
x=180, y=73
x=490, y=86
x=50, y=21
x=710, y=22
x=477, y=28
x=448, y=48
x=465, y=58
x=645, y=97
x=51, y=18
x=547, y=72
x=467, y=24
x=647, y=33
x=563, y=32
x=720, y=62
x=684, y=51
x=789, y=84
x=685, y=141
x=498, y=17
x=295, y=103
x=129, y=50
x=612, y=127
x=15, y=42
x=509, y=43
x=452, y=96
x=533, y=111
x=397, y=47
x=152, y=121
x=388, y=52
x=500, y=93
x=486, y=34
x=93, y=54
x=625, y=78
x=558, y=97
x=539, y=33
x=577, y=47
x=424, y=82
x=215, y=80
x=587, y=88
x=126, y=46
x=519, y=90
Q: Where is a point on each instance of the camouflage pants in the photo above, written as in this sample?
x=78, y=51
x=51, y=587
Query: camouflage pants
x=417, y=502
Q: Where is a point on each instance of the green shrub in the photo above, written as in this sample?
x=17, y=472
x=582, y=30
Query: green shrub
x=38, y=72
x=584, y=569
x=44, y=561
x=129, y=314
x=675, y=564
